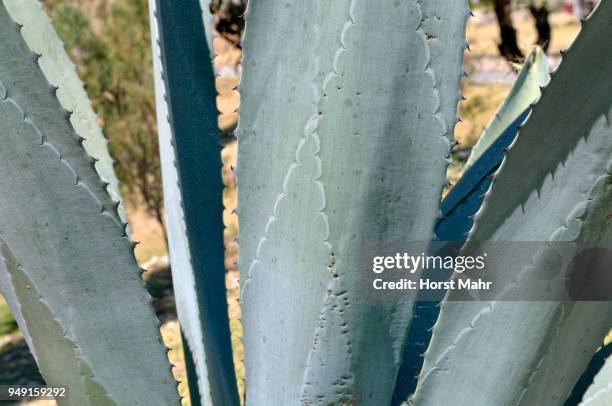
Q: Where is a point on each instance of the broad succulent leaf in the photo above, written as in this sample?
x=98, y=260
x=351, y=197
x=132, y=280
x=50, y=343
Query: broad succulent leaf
x=600, y=391
x=525, y=91
x=553, y=185
x=67, y=255
x=332, y=139
x=191, y=170
x=38, y=33
x=458, y=209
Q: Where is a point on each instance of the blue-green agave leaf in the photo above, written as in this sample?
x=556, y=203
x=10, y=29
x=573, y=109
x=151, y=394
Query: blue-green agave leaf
x=40, y=36
x=525, y=91
x=183, y=280
x=68, y=259
x=553, y=185
x=191, y=170
x=336, y=132
x=458, y=209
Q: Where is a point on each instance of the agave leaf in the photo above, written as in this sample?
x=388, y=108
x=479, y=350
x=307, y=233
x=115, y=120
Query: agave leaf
x=191, y=169
x=41, y=38
x=600, y=391
x=465, y=198
x=61, y=358
x=525, y=91
x=458, y=209
x=444, y=26
x=38, y=33
x=553, y=185
x=183, y=280
x=7, y=291
x=68, y=258
x=335, y=132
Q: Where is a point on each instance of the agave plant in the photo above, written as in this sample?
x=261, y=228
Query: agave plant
x=346, y=127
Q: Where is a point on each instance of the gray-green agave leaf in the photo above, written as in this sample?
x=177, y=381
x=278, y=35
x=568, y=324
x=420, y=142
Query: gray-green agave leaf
x=554, y=185
x=38, y=33
x=64, y=247
x=525, y=91
x=336, y=134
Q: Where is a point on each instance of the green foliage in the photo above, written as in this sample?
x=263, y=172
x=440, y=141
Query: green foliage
x=7, y=322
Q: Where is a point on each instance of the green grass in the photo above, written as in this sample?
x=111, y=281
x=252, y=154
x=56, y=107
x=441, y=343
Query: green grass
x=7, y=322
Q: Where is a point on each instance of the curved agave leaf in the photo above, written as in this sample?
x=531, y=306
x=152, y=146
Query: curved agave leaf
x=458, y=209
x=600, y=391
x=465, y=198
x=554, y=185
x=68, y=258
x=191, y=169
x=525, y=91
x=38, y=33
x=332, y=140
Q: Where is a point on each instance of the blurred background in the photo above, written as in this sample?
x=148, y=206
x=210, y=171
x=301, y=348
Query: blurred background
x=109, y=41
